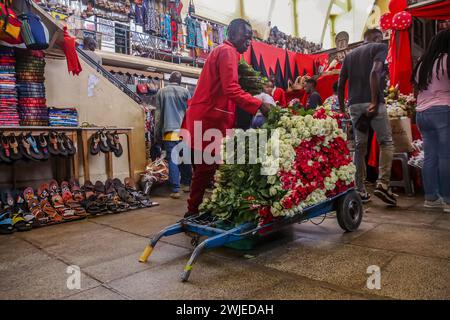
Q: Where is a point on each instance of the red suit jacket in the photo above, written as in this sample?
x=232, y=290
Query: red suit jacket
x=217, y=94
x=280, y=96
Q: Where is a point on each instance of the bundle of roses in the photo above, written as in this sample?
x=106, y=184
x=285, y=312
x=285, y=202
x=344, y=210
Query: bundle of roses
x=306, y=161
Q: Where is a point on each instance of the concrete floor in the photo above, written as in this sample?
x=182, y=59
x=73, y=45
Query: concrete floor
x=409, y=244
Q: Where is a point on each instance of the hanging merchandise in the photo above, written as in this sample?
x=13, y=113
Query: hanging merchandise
x=9, y=115
x=142, y=88
x=191, y=32
x=30, y=67
x=34, y=33
x=191, y=7
x=69, y=45
x=198, y=34
x=10, y=25
x=150, y=17
x=204, y=31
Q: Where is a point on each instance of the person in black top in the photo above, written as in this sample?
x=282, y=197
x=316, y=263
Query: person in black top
x=314, y=100
x=364, y=70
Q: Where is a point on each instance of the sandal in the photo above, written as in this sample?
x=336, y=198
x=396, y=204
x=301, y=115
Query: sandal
x=24, y=147
x=34, y=206
x=6, y=223
x=14, y=148
x=104, y=147
x=68, y=144
x=36, y=154
x=4, y=149
x=62, y=149
x=44, y=202
x=94, y=146
x=58, y=202
x=142, y=198
x=92, y=204
x=43, y=145
x=52, y=141
x=76, y=192
x=114, y=144
x=69, y=200
x=125, y=195
x=114, y=198
x=18, y=220
x=20, y=207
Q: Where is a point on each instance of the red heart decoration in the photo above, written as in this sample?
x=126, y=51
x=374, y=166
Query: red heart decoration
x=396, y=6
x=386, y=21
x=401, y=21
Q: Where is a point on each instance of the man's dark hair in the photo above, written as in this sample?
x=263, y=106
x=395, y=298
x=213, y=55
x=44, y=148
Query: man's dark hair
x=371, y=32
x=236, y=26
x=335, y=86
x=175, y=77
x=89, y=43
x=312, y=81
x=439, y=46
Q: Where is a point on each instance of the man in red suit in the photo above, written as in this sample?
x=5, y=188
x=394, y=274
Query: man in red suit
x=214, y=103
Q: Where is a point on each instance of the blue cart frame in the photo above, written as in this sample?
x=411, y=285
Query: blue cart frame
x=348, y=206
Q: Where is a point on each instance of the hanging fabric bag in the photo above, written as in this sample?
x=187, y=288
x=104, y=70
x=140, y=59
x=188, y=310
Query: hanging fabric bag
x=34, y=33
x=191, y=7
x=9, y=25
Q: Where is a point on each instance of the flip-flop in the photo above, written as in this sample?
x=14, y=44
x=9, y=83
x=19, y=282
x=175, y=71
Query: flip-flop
x=36, y=154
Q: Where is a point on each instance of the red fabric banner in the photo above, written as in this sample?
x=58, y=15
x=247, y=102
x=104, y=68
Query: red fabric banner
x=437, y=11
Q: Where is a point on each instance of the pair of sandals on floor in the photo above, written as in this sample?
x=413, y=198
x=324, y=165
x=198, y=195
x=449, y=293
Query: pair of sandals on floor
x=114, y=197
x=52, y=204
x=106, y=141
x=13, y=214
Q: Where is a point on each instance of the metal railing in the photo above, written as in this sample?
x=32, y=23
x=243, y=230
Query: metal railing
x=119, y=84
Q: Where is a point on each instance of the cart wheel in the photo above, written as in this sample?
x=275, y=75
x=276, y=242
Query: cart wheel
x=350, y=212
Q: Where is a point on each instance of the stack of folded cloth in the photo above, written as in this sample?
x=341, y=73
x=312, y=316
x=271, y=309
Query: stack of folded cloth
x=30, y=69
x=63, y=117
x=8, y=93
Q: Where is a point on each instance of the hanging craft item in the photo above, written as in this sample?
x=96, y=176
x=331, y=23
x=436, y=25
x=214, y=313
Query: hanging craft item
x=399, y=57
x=34, y=33
x=69, y=45
x=10, y=25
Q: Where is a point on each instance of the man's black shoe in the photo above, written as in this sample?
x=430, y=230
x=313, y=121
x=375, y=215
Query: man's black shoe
x=385, y=195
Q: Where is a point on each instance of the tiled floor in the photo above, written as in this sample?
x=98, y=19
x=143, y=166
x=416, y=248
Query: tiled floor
x=410, y=245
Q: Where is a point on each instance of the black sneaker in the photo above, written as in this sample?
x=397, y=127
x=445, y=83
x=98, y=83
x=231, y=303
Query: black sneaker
x=365, y=197
x=385, y=195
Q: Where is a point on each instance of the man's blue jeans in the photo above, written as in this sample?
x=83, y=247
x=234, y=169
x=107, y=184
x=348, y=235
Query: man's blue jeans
x=434, y=125
x=177, y=173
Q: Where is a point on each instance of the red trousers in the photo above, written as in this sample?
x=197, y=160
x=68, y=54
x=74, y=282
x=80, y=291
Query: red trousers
x=203, y=176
